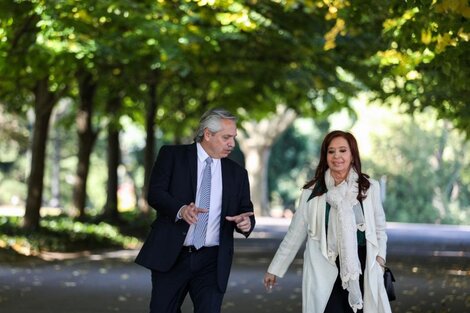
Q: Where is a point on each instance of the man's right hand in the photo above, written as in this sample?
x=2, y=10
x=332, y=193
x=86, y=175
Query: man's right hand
x=190, y=213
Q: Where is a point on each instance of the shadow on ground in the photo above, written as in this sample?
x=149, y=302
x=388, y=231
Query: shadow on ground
x=432, y=277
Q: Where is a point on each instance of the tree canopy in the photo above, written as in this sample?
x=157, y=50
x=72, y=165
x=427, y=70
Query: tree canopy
x=163, y=63
x=310, y=55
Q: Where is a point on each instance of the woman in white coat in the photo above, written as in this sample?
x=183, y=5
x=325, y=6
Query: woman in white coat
x=340, y=216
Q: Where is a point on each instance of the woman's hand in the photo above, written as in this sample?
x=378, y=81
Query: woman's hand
x=269, y=281
x=381, y=262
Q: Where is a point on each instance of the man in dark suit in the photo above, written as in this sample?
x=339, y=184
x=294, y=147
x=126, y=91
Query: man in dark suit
x=200, y=197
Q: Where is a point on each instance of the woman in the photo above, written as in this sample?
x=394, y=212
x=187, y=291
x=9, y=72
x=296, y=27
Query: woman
x=341, y=216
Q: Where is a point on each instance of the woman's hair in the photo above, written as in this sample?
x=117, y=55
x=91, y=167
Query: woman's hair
x=211, y=120
x=319, y=179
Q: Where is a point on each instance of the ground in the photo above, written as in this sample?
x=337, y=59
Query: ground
x=432, y=276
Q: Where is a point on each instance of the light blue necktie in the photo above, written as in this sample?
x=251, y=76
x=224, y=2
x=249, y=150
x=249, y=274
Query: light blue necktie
x=200, y=230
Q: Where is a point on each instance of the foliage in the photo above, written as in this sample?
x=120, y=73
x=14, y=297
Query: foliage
x=423, y=163
x=248, y=56
x=424, y=60
x=62, y=234
x=292, y=162
x=13, y=136
x=13, y=147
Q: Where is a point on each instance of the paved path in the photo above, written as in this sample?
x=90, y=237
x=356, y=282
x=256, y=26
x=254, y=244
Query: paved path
x=431, y=264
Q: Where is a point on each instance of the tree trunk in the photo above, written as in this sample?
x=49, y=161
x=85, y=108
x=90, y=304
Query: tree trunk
x=264, y=178
x=56, y=158
x=443, y=191
x=255, y=142
x=114, y=159
x=149, y=153
x=86, y=140
x=57, y=138
x=256, y=167
x=43, y=104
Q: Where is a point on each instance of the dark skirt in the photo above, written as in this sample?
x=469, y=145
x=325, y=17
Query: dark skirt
x=338, y=301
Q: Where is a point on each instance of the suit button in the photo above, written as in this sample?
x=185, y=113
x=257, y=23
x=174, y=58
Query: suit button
x=184, y=233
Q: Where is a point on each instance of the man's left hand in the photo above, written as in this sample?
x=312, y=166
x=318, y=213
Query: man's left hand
x=243, y=221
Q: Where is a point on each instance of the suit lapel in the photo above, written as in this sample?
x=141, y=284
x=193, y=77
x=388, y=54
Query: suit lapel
x=192, y=161
x=225, y=187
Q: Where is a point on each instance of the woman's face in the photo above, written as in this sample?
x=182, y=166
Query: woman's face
x=339, y=156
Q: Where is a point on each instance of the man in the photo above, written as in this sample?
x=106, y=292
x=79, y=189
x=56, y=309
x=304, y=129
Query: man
x=200, y=197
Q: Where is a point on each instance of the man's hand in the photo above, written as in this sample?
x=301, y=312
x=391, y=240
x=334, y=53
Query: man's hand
x=190, y=212
x=243, y=221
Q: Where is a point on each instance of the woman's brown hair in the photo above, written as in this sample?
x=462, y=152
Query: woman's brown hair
x=319, y=179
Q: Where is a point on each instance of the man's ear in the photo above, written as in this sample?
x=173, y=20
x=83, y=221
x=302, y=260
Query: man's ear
x=207, y=133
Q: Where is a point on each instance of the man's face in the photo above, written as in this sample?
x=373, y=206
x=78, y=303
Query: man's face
x=219, y=145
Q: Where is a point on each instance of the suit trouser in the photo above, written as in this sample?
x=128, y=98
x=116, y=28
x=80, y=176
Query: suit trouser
x=194, y=272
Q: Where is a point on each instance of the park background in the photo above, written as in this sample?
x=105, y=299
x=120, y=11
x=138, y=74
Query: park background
x=89, y=91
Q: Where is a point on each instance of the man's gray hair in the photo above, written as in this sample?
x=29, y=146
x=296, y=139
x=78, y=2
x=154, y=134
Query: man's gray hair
x=212, y=121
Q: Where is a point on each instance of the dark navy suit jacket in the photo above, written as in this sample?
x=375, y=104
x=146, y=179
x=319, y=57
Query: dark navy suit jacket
x=173, y=184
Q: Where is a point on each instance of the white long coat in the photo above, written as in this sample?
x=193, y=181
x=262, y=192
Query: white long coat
x=319, y=274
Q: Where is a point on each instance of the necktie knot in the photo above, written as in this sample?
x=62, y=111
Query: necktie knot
x=208, y=161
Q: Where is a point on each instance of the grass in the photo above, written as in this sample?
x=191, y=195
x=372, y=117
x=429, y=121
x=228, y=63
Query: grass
x=66, y=234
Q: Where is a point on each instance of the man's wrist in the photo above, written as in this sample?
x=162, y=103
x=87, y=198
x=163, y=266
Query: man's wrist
x=178, y=215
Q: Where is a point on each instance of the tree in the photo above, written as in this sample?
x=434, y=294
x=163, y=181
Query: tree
x=420, y=55
x=293, y=159
x=87, y=136
x=422, y=162
x=171, y=61
x=32, y=68
x=256, y=141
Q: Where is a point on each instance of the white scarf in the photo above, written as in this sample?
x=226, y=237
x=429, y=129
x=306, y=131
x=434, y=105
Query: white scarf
x=342, y=233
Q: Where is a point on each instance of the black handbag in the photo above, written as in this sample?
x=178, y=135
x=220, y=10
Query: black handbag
x=389, y=279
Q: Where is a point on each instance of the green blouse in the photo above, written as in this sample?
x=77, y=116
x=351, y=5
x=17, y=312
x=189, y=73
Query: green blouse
x=361, y=235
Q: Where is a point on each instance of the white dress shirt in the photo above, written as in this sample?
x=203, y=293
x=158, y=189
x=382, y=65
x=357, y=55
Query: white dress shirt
x=213, y=227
